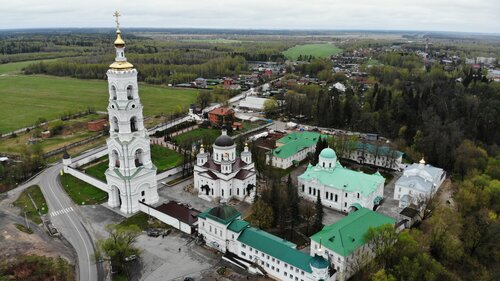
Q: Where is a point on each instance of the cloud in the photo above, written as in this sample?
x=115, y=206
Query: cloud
x=435, y=15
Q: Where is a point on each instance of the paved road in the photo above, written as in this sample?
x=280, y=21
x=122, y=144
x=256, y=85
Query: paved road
x=65, y=217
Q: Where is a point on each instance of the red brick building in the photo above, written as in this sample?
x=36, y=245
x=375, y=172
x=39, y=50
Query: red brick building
x=97, y=125
x=220, y=116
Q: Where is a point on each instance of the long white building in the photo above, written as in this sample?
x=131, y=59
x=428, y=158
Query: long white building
x=258, y=251
x=224, y=175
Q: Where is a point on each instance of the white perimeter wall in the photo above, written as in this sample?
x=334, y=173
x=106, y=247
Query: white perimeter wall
x=184, y=227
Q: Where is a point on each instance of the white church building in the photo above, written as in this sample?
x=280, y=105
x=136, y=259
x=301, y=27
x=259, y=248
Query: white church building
x=224, y=175
x=417, y=184
x=131, y=176
x=340, y=188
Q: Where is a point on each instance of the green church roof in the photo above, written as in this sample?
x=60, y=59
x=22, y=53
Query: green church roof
x=223, y=214
x=346, y=235
x=344, y=179
x=295, y=142
x=276, y=247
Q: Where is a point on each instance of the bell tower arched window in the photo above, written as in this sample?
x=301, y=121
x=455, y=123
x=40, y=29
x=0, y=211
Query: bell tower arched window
x=113, y=92
x=116, y=159
x=129, y=92
x=139, y=157
x=133, y=124
x=114, y=124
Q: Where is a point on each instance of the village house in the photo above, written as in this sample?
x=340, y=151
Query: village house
x=221, y=116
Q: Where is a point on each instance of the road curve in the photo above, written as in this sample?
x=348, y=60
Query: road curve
x=64, y=216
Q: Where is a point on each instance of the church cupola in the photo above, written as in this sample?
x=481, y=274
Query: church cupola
x=202, y=156
x=246, y=155
x=327, y=159
x=223, y=145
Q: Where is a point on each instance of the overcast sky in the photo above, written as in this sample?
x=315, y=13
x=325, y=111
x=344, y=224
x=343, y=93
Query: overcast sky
x=433, y=15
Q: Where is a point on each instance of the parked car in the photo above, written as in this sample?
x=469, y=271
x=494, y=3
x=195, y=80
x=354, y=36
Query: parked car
x=131, y=258
x=153, y=233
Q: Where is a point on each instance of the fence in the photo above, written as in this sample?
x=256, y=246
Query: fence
x=71, y=145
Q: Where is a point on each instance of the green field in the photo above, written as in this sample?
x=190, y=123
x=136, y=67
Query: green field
x=26, y=205
x=14, y=67
x=316, y=50
x=162, y=157
x=27, y=98
x=82, y=192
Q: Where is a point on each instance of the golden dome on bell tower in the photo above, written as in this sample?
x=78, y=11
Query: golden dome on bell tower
x=120, y=59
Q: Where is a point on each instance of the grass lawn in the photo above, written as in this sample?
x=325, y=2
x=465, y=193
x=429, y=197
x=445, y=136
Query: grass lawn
x=25, y=98
x=98, y=170
x=207, y=136
x=26, y=205
x=164, y=158
x=81, y=192
x=316, y=50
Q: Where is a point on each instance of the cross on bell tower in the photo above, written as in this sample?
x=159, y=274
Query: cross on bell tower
x=131, y=176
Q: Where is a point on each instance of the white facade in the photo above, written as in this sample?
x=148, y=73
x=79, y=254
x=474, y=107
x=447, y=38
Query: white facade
x=285, y=163
x=223, y=175
x=384, y=158
x=347, y=266
x=131, y=176
x=225, y=234
x=418, y=184
x=339, y=188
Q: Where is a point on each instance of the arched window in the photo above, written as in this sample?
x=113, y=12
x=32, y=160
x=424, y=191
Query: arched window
x=116, y=159
x=113, y=92
x=129, y=92
x=139, y=157
x=133, y=124
x=114, y=125
x=323, y=164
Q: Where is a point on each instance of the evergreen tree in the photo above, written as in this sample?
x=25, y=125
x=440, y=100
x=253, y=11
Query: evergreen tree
x=293, y=205
x=318, y=220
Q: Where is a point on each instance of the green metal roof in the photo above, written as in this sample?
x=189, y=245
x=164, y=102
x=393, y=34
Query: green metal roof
x=275, y=247
x=382, y=150
x=295, y=142
x=223, y=214
x=346, y=235
x=238, y=225
x=328, y=153
x=344, y=179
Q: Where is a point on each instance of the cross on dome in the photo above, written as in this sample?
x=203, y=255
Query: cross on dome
x=116, y=15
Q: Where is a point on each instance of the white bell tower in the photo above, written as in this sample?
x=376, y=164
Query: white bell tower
x=131, y=175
